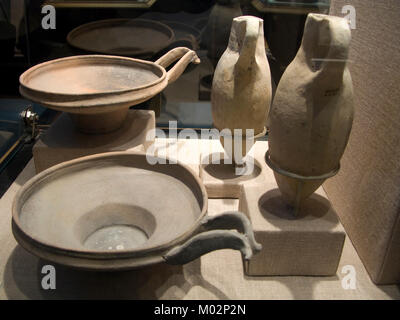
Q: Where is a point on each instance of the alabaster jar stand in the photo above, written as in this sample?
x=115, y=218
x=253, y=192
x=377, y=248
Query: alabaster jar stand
x=299, y=180
x=224, y=175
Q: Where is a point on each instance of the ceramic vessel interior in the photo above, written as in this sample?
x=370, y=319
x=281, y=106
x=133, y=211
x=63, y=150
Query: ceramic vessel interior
x=80, y=209
x=72, y=209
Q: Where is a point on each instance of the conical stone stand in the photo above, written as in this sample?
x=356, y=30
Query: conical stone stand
x=299, y=181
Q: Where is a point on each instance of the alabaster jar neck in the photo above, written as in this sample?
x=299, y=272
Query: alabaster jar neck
x=247, y=32
x=325, y=42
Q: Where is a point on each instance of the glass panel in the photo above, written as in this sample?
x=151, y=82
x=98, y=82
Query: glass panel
x=31, y=33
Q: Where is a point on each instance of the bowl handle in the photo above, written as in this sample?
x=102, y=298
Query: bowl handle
x=185, y=55
x=211, y=237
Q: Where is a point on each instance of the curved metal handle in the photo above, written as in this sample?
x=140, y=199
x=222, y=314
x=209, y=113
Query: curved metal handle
x=233, y=220
x=208, y=241
x=185, y=55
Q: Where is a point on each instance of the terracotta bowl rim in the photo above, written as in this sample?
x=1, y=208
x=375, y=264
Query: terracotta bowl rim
x=25, y=74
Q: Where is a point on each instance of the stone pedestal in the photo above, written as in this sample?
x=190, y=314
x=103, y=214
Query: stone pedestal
x=307, y=245
x=62, y=142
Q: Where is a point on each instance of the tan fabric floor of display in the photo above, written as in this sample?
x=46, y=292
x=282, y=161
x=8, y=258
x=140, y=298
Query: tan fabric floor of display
x=218, y=275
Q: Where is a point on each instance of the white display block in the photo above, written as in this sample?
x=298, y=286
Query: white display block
x=309, y=244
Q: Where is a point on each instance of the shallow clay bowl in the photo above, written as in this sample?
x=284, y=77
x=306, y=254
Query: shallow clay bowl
x=123, y=37
x=98, y=90
x=121, y=210
x=184, y=31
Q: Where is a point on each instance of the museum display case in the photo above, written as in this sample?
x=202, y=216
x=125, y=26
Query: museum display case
x=143, y=140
